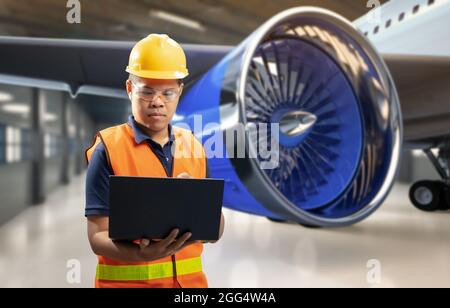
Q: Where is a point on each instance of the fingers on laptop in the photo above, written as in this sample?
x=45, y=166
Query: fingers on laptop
x=144, y=243
x=178, y=244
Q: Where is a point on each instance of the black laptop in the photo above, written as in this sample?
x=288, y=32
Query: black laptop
x=152, y=207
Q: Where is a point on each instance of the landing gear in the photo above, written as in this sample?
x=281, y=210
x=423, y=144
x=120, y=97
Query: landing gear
x=428, y=195
x=433, y=196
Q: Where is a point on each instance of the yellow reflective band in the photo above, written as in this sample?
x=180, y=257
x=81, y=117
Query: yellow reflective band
x=148, y=272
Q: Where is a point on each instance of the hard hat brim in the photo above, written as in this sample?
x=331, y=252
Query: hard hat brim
x=158, y=74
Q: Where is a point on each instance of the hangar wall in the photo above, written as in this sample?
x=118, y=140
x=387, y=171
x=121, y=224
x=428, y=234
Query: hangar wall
x=42, y=134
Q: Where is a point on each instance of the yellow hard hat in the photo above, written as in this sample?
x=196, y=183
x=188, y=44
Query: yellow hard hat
x=158, y=57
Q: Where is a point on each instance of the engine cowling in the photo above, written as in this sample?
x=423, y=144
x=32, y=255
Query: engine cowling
x=340, y=127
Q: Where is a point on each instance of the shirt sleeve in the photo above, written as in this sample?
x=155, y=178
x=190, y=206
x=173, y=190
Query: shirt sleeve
x=97, y=183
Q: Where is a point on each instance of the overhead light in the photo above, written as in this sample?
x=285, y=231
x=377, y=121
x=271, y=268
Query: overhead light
x=420, y=153
x=119, y=27
x=177, y=19
x=50, y=117
x=5, y=96
x=16, y=108
x=23, y=110
x=72, y=130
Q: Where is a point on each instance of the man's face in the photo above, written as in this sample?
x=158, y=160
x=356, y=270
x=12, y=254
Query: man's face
x=153, y=101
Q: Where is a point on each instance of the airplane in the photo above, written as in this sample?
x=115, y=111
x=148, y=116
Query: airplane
x=333, y=86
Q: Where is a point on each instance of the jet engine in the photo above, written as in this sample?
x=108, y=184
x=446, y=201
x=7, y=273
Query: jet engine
x=337, y=114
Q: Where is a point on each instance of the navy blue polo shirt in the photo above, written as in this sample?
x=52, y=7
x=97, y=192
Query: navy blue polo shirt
x=97, y=178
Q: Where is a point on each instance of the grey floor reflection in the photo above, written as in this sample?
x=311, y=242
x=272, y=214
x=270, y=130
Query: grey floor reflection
x=412, y=248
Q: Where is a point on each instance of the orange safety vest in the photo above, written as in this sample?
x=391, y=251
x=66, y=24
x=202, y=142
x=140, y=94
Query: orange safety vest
x=126, y=158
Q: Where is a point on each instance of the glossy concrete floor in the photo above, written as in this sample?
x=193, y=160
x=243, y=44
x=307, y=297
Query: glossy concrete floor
x=410, y=249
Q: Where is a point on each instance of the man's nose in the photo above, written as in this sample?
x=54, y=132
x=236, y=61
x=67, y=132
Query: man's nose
x=157, y=102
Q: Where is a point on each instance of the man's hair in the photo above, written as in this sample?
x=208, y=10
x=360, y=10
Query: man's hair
x=134, y=78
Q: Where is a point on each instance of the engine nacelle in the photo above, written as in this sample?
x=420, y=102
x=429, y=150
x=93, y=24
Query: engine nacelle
x=340, y=128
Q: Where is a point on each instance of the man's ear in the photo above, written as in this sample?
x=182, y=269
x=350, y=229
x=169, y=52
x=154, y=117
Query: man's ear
x=181, y=88
x=129, y=88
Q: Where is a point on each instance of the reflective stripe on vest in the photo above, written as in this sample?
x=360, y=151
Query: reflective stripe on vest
x=149, y=271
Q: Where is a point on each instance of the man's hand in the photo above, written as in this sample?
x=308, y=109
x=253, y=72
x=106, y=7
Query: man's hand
x=147, y=250
x=150, y=251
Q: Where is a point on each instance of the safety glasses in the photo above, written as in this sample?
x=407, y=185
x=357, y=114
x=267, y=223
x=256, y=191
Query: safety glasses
x=149, y=94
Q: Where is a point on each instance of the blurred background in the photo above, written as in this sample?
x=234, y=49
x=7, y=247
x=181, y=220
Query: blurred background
x=42, y=164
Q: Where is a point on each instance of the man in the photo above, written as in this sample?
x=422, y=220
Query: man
x=143, y=147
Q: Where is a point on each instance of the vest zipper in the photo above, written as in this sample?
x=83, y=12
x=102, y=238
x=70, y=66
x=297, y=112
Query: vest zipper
x=174, y=260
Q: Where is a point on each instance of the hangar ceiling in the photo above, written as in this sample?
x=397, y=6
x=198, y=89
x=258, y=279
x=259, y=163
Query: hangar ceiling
x=224, y=22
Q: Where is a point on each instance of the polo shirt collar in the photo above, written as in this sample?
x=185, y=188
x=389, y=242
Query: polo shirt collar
x=140, y=136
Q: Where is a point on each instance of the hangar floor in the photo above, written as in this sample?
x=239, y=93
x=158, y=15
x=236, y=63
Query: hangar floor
x=411, y=248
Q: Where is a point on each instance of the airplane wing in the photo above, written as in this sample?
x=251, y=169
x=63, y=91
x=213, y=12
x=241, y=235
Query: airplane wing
x=83, y=66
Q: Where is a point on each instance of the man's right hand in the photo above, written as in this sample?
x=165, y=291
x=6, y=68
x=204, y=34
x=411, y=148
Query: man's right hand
x=150, y=251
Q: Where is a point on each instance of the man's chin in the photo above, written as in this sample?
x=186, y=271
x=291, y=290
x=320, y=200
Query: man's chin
x=154, y=126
